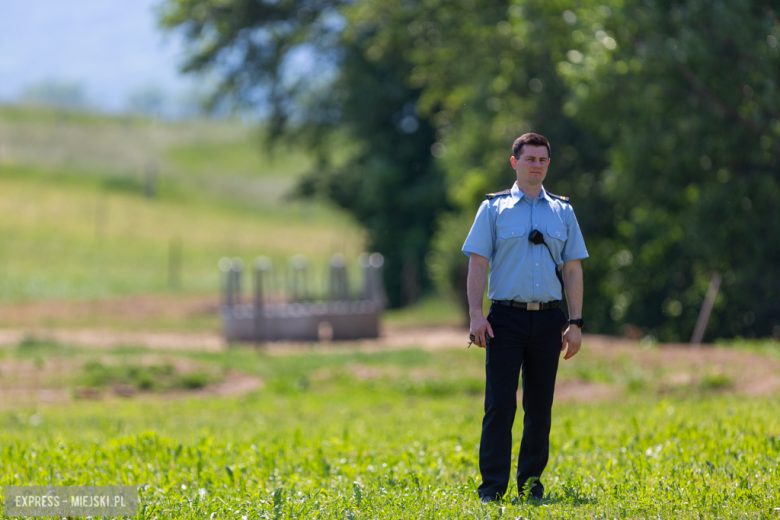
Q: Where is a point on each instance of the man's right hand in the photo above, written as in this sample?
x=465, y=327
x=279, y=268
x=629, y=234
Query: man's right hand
x=479, y=328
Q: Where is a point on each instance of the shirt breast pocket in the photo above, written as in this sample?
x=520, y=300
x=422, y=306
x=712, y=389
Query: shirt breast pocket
x=556, y=239
x=508, y=232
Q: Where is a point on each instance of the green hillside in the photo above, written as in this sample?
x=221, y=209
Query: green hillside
x=90, y=204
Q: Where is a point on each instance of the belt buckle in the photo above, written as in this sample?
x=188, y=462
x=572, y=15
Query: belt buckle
x=533, y=306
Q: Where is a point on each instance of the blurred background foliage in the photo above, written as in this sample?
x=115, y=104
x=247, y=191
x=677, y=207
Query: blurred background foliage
x=662, y=116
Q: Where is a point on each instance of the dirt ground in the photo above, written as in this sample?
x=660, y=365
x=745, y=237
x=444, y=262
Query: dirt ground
x=673, y=366
x=677, y=369
x=137, y=308
x=149, y=313
x=37, y=378
x=22, y=383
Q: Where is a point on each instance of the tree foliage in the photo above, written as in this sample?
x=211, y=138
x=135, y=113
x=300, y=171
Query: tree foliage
x=684, y=95
x=357, y=110
x=662, y=116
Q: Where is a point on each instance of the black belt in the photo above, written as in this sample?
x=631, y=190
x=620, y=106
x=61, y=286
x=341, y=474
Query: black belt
x=530, y=306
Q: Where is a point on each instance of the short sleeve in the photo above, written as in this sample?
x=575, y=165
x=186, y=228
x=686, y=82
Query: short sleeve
x=480, y=238
x=574, y=249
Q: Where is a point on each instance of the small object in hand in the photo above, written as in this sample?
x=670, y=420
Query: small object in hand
x=472, y=339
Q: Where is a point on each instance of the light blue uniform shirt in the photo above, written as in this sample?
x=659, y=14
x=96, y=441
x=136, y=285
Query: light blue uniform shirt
x=520, y=270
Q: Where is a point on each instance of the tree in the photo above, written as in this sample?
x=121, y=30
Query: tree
x=686, y=95
x=489, y=71
x=358, y=113
x=662, y=118
x=670, y=131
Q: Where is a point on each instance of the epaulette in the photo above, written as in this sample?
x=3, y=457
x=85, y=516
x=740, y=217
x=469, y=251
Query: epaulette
x=559, y=197
x=497, y=194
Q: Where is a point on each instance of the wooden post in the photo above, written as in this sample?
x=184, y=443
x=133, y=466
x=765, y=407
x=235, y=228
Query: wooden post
x=706, y=310
x=238, y=269
x=262, y=267
x=225, y=268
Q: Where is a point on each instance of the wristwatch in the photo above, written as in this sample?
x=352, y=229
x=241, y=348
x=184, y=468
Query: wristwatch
x=580, y=322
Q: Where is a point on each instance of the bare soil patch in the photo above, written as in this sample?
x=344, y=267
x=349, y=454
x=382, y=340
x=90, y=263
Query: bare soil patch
x=582, y=392
x=234, y=383
x=25, y=382
x=670, y=368
x=678, y=367
x=392, y=338
x=137, y=312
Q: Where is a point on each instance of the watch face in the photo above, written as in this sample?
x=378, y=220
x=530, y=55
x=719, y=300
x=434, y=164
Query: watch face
x=580, y=322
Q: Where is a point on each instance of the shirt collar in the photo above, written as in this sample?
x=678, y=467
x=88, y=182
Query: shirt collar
x=517, y=195
x=545, y=196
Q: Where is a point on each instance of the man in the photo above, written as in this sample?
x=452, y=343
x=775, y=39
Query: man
x=533, y=245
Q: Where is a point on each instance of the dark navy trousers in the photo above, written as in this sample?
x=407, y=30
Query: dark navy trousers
x=528, y=342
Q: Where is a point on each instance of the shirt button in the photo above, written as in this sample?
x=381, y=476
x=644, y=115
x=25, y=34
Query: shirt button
x=537, y=265
x=537, y=285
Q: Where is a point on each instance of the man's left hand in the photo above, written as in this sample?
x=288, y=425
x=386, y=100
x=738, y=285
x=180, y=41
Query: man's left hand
x=572, y=339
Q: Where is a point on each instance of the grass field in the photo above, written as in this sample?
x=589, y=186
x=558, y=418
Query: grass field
x=344, y=434
x=77, y=223
x=319, y=432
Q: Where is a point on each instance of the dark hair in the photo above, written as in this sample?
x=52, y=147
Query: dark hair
x=533, y=140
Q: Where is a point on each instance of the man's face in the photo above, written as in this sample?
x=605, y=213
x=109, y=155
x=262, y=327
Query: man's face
x=532, y=165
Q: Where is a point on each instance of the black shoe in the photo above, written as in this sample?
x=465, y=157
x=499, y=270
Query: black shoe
x=534, y=498
x=536, y=494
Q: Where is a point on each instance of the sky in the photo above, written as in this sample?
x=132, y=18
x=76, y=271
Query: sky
x=112, y=48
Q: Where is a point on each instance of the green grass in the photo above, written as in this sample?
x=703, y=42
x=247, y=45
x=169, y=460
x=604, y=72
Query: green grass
x=155, y=377
x=769, y=347
x=75, y=223
x=336, y=434
x=432, y=310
